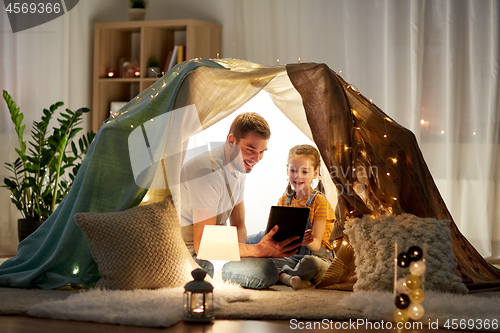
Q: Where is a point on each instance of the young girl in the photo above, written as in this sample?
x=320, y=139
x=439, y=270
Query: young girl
x=315, y=255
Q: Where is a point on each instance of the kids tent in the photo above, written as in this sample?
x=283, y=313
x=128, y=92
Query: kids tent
x=141, y=148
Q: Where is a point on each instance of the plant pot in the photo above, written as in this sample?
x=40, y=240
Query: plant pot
x=26, y=227
x=136, y=14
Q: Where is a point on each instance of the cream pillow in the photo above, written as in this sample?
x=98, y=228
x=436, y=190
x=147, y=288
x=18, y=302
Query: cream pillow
x=373, y=242
x=140, y=248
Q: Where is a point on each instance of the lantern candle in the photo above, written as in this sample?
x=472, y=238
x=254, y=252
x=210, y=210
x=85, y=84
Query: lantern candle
x=198, y=298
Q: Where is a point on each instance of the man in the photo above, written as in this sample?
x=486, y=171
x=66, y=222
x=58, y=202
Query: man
x=212, y=187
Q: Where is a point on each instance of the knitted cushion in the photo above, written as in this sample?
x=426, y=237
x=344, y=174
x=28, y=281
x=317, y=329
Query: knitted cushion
x=140, y=248
x=373, y=242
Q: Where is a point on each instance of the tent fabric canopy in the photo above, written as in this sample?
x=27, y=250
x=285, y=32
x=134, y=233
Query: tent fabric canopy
x=350, y=132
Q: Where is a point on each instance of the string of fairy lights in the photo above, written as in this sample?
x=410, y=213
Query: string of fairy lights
x=385, y=136
x=354, y=113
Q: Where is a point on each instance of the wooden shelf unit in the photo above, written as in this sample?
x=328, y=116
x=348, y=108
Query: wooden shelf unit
x=115, y=41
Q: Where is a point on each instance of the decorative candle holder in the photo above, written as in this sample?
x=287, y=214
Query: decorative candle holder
x=198, y=299
x=409, y=289
x=110, y=72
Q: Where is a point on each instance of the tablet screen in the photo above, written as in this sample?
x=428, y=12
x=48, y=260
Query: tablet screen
x=292, y=221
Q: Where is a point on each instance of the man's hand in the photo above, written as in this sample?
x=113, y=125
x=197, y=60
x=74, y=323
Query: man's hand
x=270, y=248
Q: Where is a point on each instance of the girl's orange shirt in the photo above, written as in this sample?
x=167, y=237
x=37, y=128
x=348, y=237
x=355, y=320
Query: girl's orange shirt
x=320, y=209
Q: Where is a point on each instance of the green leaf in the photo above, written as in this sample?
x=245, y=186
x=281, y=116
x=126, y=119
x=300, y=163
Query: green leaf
x=9, y=184
x=55, y=106
x=18, y=119
x=74, y=150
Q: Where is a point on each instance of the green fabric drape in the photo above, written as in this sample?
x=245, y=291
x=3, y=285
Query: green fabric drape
x=58, y=253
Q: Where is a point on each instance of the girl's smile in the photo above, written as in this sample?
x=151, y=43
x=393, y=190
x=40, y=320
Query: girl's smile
x=300, y=171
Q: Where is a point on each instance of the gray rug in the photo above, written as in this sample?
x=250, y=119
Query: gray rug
x=163, y=307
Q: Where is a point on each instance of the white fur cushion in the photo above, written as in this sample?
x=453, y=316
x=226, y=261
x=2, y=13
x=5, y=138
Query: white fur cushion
x=373, y=242
x=140, y=248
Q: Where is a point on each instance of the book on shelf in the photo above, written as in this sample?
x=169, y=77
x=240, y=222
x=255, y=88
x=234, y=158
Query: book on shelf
x=181, y=54
x=173, y=58
x=167, y=62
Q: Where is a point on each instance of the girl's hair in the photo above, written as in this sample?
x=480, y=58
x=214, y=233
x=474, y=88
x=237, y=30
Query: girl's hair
x=312, y=152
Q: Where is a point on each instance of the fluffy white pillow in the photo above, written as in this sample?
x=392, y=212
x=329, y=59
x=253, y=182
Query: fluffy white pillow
x=373, y=242
x=140, y=248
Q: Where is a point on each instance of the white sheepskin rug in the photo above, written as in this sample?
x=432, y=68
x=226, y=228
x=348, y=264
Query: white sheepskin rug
x=440, y=308
x=155, y=308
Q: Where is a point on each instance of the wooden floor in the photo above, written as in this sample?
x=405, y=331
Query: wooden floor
x=21, y=324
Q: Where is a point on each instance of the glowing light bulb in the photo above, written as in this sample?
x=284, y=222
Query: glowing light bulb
x=394, y=160
x=417, y=268
x=412, y=282
x=416, y=311
x=422, y=121
x=401, y=286
x=401, y=316
x=417, y=296
x=442, y=132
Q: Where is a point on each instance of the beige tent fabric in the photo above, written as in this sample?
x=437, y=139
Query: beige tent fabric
x=217, y=93
x=353, y=133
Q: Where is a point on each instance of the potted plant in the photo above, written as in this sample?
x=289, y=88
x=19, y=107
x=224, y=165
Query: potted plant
x=43, y=172
x=153, y=67
x=137, y=10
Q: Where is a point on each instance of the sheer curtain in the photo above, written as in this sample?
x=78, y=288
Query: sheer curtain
x=433, y=66
x=39, y=67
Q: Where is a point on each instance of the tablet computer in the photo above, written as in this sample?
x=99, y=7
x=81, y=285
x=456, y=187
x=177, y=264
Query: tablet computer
x=292, y=221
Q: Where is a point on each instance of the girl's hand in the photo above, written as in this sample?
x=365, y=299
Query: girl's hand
x=308, y=237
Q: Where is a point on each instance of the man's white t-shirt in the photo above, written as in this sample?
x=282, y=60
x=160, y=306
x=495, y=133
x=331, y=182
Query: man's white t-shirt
x=203, y=186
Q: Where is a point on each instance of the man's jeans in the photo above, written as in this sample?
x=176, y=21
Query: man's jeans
x=252, y=273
